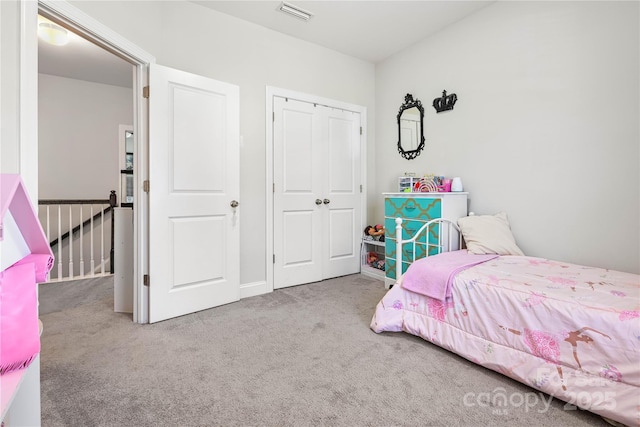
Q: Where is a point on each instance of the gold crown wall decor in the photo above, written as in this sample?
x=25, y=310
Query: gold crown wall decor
x=445, y=103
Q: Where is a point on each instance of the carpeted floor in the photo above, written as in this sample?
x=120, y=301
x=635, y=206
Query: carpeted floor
x=301, y=356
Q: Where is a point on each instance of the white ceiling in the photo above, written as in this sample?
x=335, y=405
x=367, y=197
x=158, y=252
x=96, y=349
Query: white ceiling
x=371, y=30
x=82, y=60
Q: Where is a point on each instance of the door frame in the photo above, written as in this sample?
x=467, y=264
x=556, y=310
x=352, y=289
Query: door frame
x=89, y=28
x=271, y=92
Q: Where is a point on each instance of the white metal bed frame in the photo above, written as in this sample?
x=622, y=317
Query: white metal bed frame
x=445, y=242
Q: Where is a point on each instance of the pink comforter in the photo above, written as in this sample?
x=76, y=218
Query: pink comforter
x=567, y=330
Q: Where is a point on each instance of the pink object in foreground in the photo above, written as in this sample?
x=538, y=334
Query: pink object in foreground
x=19, y=330
x=26, y=261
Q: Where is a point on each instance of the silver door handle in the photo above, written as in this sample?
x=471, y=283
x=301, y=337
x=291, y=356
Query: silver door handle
x=326, y=201
x=318, y=202
x=234, y=204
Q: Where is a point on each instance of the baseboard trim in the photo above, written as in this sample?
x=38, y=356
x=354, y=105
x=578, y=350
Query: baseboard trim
x=253, y=289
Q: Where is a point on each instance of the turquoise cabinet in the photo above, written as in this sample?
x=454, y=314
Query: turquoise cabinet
x=416, y=209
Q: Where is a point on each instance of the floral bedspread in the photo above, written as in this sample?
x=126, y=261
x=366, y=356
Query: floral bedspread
x=567, y=330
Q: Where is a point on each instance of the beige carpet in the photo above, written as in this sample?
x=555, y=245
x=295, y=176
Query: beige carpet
x=301, y=356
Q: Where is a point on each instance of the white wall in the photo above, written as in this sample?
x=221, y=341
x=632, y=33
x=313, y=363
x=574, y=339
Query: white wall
x=546, y=126
x=18, y=101
x=192, y=38
x=9, y=87
x=78, y=143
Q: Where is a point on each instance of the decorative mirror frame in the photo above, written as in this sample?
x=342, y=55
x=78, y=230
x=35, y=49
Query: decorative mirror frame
x=410, y=102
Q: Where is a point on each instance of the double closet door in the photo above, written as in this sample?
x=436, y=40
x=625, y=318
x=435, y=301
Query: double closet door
x=317, y=192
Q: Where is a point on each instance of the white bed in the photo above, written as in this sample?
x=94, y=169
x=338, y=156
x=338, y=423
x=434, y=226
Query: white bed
x=567, y=330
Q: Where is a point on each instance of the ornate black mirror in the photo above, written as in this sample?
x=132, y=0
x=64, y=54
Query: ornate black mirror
x=410, y=128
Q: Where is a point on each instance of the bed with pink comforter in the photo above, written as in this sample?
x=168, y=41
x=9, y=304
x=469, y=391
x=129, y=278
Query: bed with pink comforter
x=567, y=330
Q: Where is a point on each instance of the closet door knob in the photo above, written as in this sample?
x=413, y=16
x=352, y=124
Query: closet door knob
x=326, y=201
x=318, y=202
x=234, y=204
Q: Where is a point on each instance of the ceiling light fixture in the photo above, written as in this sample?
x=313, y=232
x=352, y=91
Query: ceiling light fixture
x=53, y=33
x=295, y=11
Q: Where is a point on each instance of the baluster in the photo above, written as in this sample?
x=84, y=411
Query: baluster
x=91, y=262
x=48, y=226
x=102, y=239
x=48, y=231
x=59, y=242
x=70, y=243
x=81, y=243
x=399, y=248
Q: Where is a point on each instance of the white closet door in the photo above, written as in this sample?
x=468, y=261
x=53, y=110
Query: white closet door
x=341, y=196
x=298, y=185
x=316, y=192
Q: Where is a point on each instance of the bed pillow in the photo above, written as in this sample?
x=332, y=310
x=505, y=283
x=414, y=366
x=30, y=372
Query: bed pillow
x=488, y=234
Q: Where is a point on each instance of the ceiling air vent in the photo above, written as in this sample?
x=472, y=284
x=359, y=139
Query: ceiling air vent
x=294, y=11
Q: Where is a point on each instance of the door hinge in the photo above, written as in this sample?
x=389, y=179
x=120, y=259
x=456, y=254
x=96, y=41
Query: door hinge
x=145, y=280
x=274, y=187
x=274, y=258
x=273, y=115
x=361, y=188
x=360, y=130
x=145, y=186
x=145, y=92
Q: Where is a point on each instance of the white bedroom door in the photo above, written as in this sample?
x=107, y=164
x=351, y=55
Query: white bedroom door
x=317, y=195
x=194, y=239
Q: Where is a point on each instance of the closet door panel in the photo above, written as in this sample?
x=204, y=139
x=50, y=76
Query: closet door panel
x=341, y=244
x=340, y=155
x=298, y=175
x=298, y=238
x=298, y=152
x=342, y=192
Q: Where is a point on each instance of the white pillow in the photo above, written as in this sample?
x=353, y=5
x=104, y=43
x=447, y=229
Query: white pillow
x=488, y=234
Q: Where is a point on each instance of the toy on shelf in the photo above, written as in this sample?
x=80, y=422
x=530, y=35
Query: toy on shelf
x=426, y=186
x=374, y=232
x=428, y=183
x=375, y=262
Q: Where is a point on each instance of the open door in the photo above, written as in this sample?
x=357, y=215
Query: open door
x=194, y=239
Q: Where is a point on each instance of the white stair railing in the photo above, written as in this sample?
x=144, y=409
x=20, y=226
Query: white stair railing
x=67, y=236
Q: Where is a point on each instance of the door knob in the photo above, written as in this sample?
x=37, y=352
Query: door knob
x=326, y=201
x=318, y=202
x=234, y=204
